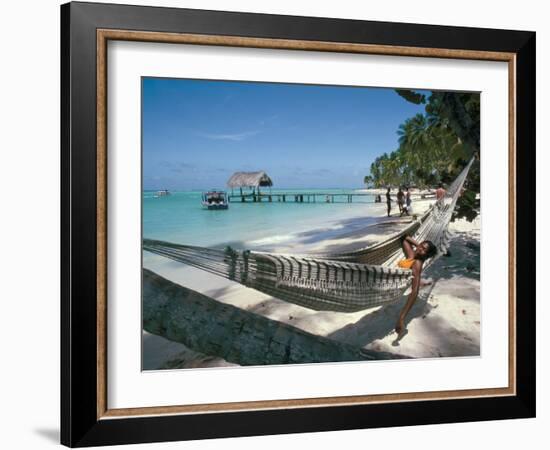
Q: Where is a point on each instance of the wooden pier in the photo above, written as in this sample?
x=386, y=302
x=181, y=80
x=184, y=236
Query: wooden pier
x=301, y=197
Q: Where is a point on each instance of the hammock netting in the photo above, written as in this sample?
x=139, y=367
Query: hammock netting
x=345, y=282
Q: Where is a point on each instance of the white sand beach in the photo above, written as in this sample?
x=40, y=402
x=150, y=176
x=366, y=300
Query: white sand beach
x=444, y=322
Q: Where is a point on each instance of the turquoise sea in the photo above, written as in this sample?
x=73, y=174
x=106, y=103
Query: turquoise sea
x=181, y=218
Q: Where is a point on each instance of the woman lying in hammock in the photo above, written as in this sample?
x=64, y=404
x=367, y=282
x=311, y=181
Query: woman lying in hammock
x=415, y=258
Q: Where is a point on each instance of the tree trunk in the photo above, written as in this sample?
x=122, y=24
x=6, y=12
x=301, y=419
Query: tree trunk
x=238, y=336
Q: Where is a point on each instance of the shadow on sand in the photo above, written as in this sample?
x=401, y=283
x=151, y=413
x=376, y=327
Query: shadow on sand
x=381, y=323
x=462, y=260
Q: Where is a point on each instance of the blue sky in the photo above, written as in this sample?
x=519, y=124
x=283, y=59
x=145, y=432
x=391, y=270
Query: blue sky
x=196, y=133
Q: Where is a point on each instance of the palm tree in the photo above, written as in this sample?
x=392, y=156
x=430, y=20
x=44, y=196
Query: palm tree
x=432, y=146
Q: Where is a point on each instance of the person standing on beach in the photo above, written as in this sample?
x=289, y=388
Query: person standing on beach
x=400, y=200
x=388, y=201
x=439, y=195
x=408, y=201
x=440, y=192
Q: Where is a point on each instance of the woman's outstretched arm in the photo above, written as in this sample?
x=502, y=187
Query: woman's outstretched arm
x=407, y=244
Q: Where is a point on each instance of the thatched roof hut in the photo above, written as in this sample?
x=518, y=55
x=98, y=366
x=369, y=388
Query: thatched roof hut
x=249, y=180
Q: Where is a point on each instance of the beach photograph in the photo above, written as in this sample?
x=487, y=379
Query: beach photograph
x=296, y=224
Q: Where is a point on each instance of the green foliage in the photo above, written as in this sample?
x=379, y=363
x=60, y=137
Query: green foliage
x=467, y=206
x=411, y=96
x=368, y=180
x=434, y=146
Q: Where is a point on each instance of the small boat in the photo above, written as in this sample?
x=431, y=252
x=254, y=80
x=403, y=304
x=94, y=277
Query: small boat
x=162, y=193
x=215, y=200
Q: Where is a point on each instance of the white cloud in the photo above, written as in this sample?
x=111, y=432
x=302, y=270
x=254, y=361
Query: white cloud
x=229, y=136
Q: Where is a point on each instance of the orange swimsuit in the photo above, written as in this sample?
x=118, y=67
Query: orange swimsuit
x=406, y=263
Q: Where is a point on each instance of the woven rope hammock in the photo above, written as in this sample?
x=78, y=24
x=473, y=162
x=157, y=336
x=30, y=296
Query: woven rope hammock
x=345, y=282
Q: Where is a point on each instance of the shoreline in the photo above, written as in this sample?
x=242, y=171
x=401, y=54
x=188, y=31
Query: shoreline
x=345, y=234
x=450, y=307
x=180, y=218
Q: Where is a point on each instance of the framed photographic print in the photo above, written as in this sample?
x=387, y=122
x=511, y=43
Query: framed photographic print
x=277, y=224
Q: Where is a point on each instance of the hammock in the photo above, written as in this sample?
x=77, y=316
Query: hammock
x=345, y=282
